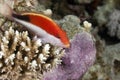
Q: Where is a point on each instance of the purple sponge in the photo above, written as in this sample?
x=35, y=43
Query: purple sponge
x=77, y=59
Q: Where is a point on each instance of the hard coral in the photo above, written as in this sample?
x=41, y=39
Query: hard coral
x=70, y=24
x=77, y=59
x=107, y=65
x=21, y=56
x=103, y=12
x=114, y=24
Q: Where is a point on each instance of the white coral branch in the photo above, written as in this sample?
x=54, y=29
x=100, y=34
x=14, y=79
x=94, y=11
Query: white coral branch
x=18, y=52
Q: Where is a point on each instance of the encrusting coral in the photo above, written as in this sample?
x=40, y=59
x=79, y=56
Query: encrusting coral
x=20, y=55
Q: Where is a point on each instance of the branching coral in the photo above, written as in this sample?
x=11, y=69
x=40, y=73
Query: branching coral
x=20, y=55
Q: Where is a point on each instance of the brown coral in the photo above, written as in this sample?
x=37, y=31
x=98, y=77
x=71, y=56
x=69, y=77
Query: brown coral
x=21, y=56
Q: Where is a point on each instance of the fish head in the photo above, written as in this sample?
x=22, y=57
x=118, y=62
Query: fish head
x=64, y=39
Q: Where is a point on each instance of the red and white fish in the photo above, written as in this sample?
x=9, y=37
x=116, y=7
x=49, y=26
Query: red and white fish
x=44, y=27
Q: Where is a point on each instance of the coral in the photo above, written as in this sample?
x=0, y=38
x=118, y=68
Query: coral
x=70, y=24
x=84, y=1
x=31, y=5
x=107, y=64
x=87, y=26
x=96, y=72
x=111, y=58
x=22, y=56
x=77, y=59
x=114, y=24
x=23, y=60
x=20, y=3
x=102, y=13
x=22, y=6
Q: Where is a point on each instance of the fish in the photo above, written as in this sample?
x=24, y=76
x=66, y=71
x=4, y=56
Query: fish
x=44, y=27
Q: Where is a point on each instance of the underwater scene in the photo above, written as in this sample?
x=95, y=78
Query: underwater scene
x=59, y=39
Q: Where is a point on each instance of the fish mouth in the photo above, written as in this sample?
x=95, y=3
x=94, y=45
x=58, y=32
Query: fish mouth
x=67, y=45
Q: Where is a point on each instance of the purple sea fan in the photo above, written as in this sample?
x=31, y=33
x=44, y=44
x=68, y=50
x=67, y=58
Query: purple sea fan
x=77, y=59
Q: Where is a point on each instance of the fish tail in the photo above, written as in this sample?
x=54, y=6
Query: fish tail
x=6, y=10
